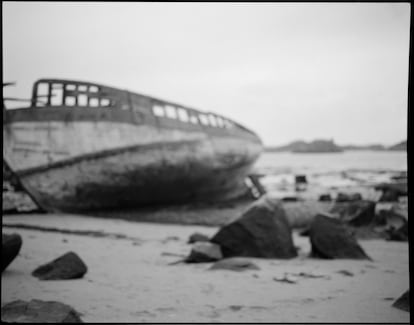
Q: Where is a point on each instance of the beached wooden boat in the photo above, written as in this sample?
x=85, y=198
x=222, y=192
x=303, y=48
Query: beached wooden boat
x=84, y=146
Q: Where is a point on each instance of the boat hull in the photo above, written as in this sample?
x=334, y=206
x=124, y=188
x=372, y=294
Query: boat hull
x=71, y=165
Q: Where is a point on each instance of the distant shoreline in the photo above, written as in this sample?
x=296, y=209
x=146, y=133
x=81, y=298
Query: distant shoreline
x=328, y=146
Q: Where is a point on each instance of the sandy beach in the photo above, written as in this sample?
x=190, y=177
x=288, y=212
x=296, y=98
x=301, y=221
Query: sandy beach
x=131, y=276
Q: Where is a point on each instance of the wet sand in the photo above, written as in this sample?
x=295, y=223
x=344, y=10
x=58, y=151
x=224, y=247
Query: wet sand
x=130, y=278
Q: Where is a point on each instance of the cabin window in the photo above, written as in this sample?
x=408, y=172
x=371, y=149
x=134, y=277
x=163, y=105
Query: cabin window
x=93, y=102
x=82, y=88
x=213, y=121
x=57, y=95
x=42, y=92
x=170, y=111
x=70, y=87
x=93, y=89
x=158, y=110
x=220, y=122
x=70, y=101
x=203, y=119
x=105, y=102
x=183, y=115
x=228, y=124
x=193, y=119
x=82, y=100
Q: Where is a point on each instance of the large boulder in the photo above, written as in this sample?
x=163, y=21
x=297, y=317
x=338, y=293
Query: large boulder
x=68, y=266
x=11, y=245
x=204, y=252
x=38, y=311
x=355, y=213
x=403, y=302
x=330, y=238
x=262, y=231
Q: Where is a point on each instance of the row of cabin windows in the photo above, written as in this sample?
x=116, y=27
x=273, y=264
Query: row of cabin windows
x=183, y=115
x=86, y=95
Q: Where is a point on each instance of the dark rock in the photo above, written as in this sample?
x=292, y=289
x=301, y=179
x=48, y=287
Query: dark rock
x=300, y=179
x=348, y=197
x=403, y=302
x=394, y=223
x=262, y=231
x=400, y=177
x=391, y=217
x=391, y=191
x=38, y=311
x=330, y=238
x=197, y=237
x=400, y=234
x=345, y=272
x=256, y=187
x=304, y=232
x=356, y=213
x=300, y=182
x=325, y=198
x=204, y=252
x=389, y=196
x=234, y=264
x=11, y=245
x=290, y=199
x=68, y=266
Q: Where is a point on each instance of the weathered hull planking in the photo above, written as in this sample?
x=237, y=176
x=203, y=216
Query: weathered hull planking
x=91, y=158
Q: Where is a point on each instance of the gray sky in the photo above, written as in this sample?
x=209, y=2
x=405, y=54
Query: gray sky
x=286, y=70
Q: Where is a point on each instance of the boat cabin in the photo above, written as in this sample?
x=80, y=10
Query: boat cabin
x=56, y=93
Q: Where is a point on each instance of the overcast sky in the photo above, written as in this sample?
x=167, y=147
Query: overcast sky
x=286, y=70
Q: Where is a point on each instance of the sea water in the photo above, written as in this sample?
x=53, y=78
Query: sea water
x=329, y=172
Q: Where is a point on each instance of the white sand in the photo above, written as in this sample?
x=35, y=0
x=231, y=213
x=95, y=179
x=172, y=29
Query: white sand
x=129, y=280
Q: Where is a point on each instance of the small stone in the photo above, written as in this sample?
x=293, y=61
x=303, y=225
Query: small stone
x=204, y=252
x=345, y=272
x=348, y=197
x=68, y=266
x=325, y=198
x=197, y=237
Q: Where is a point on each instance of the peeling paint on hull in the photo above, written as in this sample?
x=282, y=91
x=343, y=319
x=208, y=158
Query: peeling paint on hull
x=182, y=168
x=125, y=180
